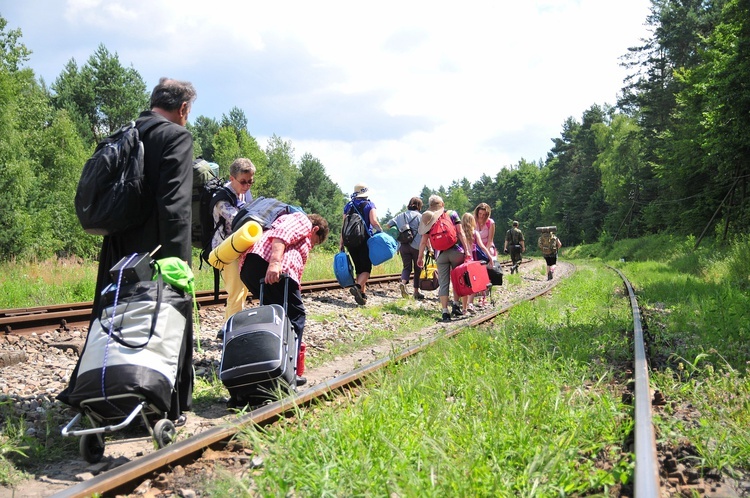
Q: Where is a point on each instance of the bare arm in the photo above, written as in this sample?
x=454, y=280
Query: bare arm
x=374, y=220
x=481, y=245
x=273, y=274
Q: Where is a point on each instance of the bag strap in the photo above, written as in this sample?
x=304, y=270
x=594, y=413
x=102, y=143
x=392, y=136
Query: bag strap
x=369, y=232
x=117, y=337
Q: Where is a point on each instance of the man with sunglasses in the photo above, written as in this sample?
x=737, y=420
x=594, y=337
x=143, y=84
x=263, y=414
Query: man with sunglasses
x=226, y=203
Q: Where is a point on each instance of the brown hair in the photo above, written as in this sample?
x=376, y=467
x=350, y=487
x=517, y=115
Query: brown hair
x=318, y=221
x=415, y=204
x=481, y=206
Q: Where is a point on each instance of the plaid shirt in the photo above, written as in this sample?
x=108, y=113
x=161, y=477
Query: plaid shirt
x=294, y=230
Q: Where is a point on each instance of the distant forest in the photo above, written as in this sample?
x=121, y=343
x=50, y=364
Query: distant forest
x=670, y=156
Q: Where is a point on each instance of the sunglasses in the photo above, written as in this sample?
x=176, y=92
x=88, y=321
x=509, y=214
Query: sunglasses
x=245, y=183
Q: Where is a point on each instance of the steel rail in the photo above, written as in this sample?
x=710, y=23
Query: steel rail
x=121, y=479
x=646, y=462
x=26, y=320
x=67, y=316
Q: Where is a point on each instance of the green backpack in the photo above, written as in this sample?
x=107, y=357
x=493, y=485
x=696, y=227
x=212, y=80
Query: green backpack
x=548, y=243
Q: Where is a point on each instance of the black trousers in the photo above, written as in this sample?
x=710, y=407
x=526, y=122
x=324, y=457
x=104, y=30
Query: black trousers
x=253, y=271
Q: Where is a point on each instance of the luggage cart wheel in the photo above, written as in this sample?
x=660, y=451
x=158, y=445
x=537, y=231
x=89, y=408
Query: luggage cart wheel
x=164, y=432
x=92, y=448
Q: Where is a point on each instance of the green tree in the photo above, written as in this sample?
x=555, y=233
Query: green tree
x=226, y=149
x=317, y=193
x=101, y=96
x=22, y=102
x=236, y=119
x=279, y=178
x=61, y=158
x=624, y=175
x=711, y=145
x=204, y=130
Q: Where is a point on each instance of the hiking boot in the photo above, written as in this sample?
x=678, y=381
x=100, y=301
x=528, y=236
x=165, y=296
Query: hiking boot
x=418, y=295
x=364, y=298
x=402, y=288
x=457, y=310
x=549, y=275
x=446, y=317
x=358, y=296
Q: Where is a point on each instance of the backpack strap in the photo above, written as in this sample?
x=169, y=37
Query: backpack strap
x=367, y=225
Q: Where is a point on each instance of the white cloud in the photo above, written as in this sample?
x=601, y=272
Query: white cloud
x=395, y=94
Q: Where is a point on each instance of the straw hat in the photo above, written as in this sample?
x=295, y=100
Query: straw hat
x=428, y=219
x=360, y=191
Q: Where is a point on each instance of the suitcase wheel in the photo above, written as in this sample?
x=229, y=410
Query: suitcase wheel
x=164, y=432
x=92, y=447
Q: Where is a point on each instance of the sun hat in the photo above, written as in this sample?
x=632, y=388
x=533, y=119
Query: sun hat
x=360, y=191
x=428, y=219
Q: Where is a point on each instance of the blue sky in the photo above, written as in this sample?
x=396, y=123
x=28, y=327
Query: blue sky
x=394, y=94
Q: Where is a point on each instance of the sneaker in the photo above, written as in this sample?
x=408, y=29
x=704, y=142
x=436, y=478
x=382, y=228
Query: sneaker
x=220, y=334
x=402, y=288
x=457, y=310
x=358, y=296
x=418, y=295
x=181, y=420
x=470, y=309
x=301, y=381
x=446, y=317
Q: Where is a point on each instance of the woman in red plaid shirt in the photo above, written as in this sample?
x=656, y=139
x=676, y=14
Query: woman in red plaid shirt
x=284, y=249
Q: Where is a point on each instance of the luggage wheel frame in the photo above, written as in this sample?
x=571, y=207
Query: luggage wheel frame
x=92, y=440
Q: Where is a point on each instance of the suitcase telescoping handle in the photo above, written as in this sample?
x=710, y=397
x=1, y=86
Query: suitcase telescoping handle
x=285, y=278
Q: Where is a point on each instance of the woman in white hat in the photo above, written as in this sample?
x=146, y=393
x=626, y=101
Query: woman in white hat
x=449, y=246
x=360, y=254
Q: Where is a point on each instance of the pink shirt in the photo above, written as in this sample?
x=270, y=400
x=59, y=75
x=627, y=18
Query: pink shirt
x=294, y=230
x=484, y=233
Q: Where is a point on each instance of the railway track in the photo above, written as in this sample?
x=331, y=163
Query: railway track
x=126, y=477
x=71, y=315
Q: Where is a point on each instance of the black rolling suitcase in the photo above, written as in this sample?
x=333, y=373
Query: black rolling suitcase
x=259, y=355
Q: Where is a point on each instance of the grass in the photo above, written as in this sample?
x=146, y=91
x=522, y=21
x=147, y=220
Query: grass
x=522, y=409
x=56, y=281
x=526, y=408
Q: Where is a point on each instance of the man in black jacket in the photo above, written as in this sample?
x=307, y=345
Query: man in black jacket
x=168, y=159
x=168, y=169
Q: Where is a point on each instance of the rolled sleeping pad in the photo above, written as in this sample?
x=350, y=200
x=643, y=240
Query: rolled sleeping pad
x=552, y=228
x=234, y=245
